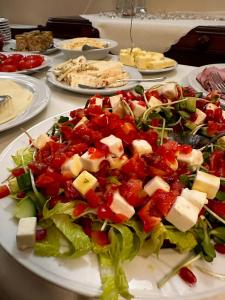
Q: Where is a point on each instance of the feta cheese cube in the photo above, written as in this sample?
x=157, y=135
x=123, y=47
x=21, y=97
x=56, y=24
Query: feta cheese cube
x=169, y=90
x=201, y=116
x=84, y=182
x=137, y=109
x=153, y=101
x=117, y=106
x=206, y=183
x=141, y=147
x=198, y=199
x=72, y=166
x=98, y=101
x=81, y=122
x=26, y=233
x=120, y=206
x=194, y=159
x=183, y=215
x=211, y=106
x=154, y=184
x=114, y=144
x=117, y=162
x=91, y=164
x=41, y=140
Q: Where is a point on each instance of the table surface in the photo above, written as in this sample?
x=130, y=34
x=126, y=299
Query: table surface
x=13, y=277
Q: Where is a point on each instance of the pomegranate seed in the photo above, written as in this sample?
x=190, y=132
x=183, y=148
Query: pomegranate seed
x=188, y=276
x=41, y=234
x=220, y=248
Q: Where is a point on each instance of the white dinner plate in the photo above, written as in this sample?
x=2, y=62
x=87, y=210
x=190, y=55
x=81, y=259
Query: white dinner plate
x=41, y=96
x=46, y=63
x=132, y=72
x=11, y=47
x=148, y=72
x=81, y=275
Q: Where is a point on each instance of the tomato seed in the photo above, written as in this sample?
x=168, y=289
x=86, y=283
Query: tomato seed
x=188, y=276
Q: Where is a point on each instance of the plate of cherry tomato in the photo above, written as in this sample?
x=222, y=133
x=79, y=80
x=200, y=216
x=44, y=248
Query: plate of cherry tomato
x=20, y=62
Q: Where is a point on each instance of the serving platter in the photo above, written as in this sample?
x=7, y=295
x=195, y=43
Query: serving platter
x=41, y=97
x=164, y=70
x=132, y=72
x=82, y=275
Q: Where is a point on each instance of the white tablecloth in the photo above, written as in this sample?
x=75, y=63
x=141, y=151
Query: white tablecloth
x=16, y=282
x=155, y=35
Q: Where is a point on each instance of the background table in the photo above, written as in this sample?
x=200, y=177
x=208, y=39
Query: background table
x=155, y=35
x=16, y=282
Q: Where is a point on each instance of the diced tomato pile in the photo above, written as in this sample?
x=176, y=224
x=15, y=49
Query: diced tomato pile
x=18, y=62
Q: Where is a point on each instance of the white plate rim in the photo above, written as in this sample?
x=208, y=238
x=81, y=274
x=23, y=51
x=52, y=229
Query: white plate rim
x=133, y=72
x=27, y=259
x=40, y=100
x=148, y=72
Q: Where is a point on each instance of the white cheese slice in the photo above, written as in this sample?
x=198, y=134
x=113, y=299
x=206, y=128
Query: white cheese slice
x=154, y=184
x=120, y=206
x=153, y=101
x=141, y=147
x=114, y=144
x=137, y=109
x=84, y=182
x=211, y=106
x=91, y=164
x=201, y=116
x=117, y=162
x=169, y=90
x=194, y=159
x=73, y=166
x=183, y=214
x=116, y=104
x=41, y=140
x=206, y=183
x=199, y=199
x=26, y=233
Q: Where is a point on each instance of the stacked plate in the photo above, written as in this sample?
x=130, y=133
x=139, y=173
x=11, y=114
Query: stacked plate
x=5, y=29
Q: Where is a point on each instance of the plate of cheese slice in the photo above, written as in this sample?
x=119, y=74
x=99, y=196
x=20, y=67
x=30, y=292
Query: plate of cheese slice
x=147, y=62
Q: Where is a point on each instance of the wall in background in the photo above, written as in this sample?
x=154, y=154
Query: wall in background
x=38, y=12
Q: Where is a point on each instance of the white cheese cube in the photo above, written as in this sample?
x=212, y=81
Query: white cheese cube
x=84, y=182
x=201, y=116
x=116, y=104
x=81, y=122
x=117, y=162
x=141, y=147
x=26, y=233
x=198, y=199
x=169, y=90
x=153, y=101
x=154, y=184
x=91, y=164
x=98, y=101
x=137, y=109
x=41, y=140
x=211, y=106
x=194, y=159
x=206, y=183
x=114, y=144
x=183, y=215
x=120, y=206
x=72, y=166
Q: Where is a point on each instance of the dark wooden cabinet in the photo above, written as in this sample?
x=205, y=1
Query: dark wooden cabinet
x=202, y=45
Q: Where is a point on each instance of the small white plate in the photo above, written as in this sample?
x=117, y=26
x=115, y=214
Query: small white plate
x=46, y=63
x=132, y=72
x=11, y=47
x=41, y=96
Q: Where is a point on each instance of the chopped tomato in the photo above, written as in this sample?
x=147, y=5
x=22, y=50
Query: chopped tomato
x=17, y=172
x=118, y=218
x=79, y=209
x=4, y=191
x=218, y=207
x=132, y=191
x=104, y=212
x=135, y=167
x=100, y=237
x=93, y=198
x=149, y=221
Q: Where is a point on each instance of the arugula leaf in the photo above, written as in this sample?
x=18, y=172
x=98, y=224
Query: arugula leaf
x=218, y=232
x=220, y=196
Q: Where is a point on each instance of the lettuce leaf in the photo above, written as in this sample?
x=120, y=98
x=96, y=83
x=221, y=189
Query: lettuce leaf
x=79, y=241
x=51, y=245
x=184, y=241
x=59, y=208
x=23, y=156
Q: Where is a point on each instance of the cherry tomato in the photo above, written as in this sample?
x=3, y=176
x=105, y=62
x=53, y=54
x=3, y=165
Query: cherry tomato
x=100, y=237
x=15, y=57
x=4, y=191
x=36, y=57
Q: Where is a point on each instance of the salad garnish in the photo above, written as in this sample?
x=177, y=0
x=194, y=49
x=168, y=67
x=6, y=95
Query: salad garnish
x=127, y=175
